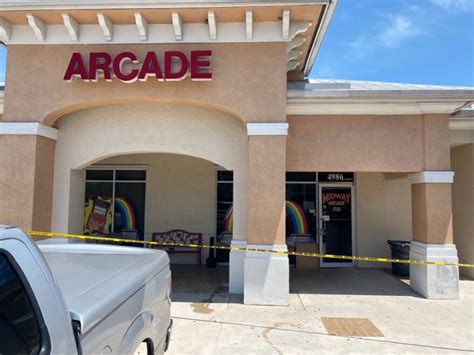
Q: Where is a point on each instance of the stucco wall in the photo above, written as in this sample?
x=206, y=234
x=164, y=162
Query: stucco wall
x=432, y=213
x=462, y=162
x=249, y=80
x=43, y=186
x=17, y=165
x=181, y=194
x=383, y=212
x=26, y=171
x=266, y=213
x=376, y=143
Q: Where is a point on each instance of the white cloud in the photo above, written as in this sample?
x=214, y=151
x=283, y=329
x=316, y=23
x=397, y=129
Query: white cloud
x=397, y=30
x=392, y=32
x=455, y=5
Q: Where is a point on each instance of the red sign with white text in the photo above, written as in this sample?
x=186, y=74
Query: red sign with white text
x=128, y=68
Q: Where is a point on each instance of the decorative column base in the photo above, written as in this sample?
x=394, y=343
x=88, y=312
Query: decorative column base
x=236, y=267
x=266, y=277
x=430, y=281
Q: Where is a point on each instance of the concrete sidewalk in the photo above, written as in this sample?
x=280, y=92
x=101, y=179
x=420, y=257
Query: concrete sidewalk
x=207, y=320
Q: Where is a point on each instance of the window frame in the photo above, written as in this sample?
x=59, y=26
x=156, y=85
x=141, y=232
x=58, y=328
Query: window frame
x=216, y=201
x=114, y=168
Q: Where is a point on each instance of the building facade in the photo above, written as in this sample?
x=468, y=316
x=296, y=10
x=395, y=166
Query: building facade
x=198, y=116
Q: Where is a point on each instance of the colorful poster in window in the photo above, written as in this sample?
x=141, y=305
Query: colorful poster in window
x=127, y=215
x=98, y=215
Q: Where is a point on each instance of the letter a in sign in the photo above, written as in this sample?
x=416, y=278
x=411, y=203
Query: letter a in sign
x=75, y=68
x=150, y=67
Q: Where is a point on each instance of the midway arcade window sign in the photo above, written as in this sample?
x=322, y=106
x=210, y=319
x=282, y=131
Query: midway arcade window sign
x=128, y=67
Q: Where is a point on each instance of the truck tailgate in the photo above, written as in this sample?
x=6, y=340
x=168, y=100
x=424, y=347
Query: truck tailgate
x=95, y=279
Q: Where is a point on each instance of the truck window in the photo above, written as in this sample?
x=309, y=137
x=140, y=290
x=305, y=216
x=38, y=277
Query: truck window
x=19, y=330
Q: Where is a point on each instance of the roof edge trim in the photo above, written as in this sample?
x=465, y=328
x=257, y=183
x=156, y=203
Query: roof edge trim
x=380, y=106
x=319, y=37
x=92, y=5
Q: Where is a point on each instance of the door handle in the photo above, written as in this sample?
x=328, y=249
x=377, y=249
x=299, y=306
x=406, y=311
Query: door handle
x=323, y=225
x=323, y=220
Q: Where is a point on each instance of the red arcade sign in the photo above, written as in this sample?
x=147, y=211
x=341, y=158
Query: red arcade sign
x=127, y=67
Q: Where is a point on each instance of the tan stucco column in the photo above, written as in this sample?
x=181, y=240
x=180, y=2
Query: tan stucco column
x=26, y=174
x=433, y=235
x=240, y=232
x=266, y=279
x=431, y=209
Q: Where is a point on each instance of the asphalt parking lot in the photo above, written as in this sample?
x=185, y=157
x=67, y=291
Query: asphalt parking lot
x=392, y=318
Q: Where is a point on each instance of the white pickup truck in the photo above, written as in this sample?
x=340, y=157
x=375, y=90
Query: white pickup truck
x=75, y=298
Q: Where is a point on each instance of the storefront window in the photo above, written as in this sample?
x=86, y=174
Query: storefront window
x=224, y=215
x=100, y=175
x=301, y=212
x=129, y=206
x=115, y=202
x=300, y=177
x=301, y=209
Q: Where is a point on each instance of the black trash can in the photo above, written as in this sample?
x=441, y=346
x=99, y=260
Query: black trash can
x=400, y=249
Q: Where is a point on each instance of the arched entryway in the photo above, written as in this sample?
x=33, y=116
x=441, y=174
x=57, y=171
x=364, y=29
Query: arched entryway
x=172, y=143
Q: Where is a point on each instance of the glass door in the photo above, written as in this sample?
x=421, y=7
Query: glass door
x=336, y=228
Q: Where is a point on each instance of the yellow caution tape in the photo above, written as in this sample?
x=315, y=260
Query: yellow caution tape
x=256, y=250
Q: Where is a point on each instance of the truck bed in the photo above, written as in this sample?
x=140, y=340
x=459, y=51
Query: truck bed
x=95, y=279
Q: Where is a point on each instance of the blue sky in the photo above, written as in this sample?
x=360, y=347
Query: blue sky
x=411, y=41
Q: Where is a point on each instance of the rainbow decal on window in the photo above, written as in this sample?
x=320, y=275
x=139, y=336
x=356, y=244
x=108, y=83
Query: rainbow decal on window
x=126, y=211
x=229, y=220
x=298, y=222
